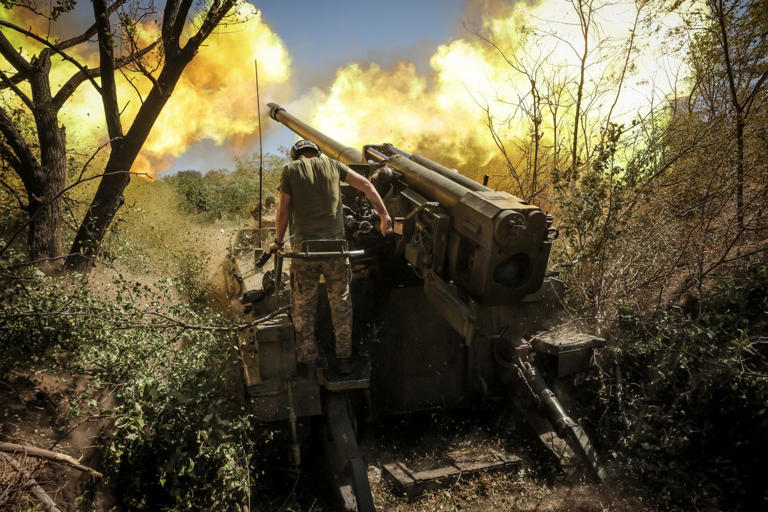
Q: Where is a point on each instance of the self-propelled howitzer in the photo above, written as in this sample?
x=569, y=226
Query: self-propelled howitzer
x=454, y=310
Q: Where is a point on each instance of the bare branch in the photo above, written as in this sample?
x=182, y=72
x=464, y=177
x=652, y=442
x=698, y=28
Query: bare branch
x=23, y=97
x=30, y=263
x=12, y=56
x=90, y=159
x=723, y=37
x=90, y=32
x=63, y=45
x=133, y=86
x=500, y=144
x=216, y=13
x=140, y=66
x=755, y=90
x=61, y=458
x=625, y=66
x=38, y=491
x=78, y=78
x=16, y=79
x=106, y=60
x=49, y=45
x=27, y=163
x=170, y=322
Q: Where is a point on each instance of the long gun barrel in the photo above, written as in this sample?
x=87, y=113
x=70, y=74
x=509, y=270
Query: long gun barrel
x=327, y=145
x=425, y=179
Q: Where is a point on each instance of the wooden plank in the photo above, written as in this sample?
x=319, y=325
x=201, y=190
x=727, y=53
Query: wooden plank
x=436, y=474
x=399, y=479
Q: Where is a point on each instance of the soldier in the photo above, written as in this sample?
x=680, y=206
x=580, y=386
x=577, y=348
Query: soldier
x=310, y=195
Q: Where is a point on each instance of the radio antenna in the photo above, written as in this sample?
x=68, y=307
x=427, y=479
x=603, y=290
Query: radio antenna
x=261, y=152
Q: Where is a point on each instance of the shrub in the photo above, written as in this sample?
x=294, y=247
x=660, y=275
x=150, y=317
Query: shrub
x=692, y=423
x=180, y=438
x=192, y=278
x=221, y=194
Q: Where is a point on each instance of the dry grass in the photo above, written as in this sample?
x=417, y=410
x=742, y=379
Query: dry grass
x=514, y=492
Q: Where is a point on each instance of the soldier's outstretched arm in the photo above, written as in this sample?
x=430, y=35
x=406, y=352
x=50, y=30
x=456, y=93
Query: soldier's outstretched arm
x=366, y=187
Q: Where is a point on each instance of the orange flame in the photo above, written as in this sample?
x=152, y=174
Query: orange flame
x=445, y=115
x=474, y=84
x=215, y=97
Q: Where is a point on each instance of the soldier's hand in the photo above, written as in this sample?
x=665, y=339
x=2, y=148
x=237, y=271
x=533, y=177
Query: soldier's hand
x=386, y=225
x=275, y=247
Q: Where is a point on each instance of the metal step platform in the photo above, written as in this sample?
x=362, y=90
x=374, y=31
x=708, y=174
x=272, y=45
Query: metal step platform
x=359, y=378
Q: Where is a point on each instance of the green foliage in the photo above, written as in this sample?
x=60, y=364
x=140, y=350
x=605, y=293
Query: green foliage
x=221, y=194
x=152, y=236
x=692, y=421
x=10, y=206
x=593, y=202
x=192, y=279
x=180, y=439
x=606, y=238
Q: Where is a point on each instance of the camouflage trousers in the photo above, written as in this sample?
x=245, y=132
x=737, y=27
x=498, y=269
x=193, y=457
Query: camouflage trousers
x=305, y=281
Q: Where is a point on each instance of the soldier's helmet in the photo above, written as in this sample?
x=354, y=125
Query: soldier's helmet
x=303, y=144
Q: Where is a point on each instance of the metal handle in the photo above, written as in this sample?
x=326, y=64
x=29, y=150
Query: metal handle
x=310, y=255
x=264, y=259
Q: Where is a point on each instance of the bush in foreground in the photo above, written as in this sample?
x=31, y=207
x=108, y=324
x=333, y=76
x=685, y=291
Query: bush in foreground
x=691, y=421
x=180, y=440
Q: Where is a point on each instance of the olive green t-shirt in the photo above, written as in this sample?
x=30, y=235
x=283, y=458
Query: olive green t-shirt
x=315, y=190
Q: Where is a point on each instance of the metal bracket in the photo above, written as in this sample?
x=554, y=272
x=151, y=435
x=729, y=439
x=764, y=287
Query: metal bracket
x=292, y=419
x=347, y=462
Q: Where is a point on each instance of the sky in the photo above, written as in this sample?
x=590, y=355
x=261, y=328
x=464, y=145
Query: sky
x=324, y=35
x=411, y=72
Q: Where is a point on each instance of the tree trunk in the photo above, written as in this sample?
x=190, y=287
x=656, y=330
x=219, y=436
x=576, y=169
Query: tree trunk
x=584, y=11
x=109, y=196
x=43, y=189
x=125, y=148
x=45, y=213
x=740, y=169
x=536, y=139
x=577, y=115
x=108, y=199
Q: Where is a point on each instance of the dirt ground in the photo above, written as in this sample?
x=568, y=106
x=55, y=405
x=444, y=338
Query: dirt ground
x=37, y=411
x=43, y=409
x=533, y=486
x=515, y=492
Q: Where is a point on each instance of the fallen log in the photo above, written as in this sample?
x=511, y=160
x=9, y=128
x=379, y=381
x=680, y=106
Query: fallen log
x=40, y=453
x=38, y=491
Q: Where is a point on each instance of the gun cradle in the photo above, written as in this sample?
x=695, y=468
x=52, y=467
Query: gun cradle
x=491, y=244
